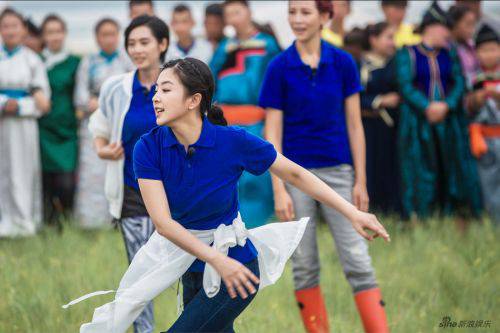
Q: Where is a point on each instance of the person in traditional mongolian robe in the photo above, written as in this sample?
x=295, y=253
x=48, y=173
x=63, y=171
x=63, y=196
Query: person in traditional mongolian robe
x=91, y=206
x=379, y=103
x=58, y=129
x=24, y=96
x=239, y=66
x=483, y=104
x=438, y=170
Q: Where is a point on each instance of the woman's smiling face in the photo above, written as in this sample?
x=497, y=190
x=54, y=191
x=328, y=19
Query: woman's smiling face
x=11, y=30
x=143, y=48
x=54, y=34
x=305, y=19
x=170, y=101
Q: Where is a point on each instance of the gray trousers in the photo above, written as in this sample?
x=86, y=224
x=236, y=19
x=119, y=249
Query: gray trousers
x=488, y=167
x=136, y=232
x=352, y=248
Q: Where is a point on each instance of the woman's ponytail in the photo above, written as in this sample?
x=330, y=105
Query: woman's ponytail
x=216, y=116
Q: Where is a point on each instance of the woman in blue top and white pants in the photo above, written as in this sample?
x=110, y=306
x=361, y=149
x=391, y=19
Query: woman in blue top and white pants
x=125, y=113
x=188, y=169
x=311, y=94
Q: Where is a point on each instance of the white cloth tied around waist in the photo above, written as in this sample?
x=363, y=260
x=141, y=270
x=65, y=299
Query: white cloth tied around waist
x=159, y=263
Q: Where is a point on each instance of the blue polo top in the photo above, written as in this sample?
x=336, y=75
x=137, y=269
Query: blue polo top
x=314, y=126
x=202, y=187
x=139, y=120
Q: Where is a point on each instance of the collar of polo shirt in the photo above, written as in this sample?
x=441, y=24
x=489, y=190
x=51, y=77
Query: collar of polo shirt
x=206, y=139
x=293, y=57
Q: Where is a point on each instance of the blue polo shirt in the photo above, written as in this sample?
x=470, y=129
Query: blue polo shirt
x=202, y=187
x=139, y=120
x=314, y=125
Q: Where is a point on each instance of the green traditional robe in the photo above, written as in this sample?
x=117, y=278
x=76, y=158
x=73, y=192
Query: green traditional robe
x=58, y=128
x=437, y=168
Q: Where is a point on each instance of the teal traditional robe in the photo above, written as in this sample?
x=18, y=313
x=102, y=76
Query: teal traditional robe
x=437, y=168
x=58, y=128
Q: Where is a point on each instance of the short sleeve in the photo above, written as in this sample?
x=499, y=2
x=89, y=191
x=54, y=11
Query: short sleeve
x=350, y=76
x=271, y=91
x=258, y=155
x=146, y=159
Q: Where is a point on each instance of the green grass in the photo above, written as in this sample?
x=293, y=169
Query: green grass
x=425, y=273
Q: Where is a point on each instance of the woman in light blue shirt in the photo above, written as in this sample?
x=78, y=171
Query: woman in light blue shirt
x=125, y=113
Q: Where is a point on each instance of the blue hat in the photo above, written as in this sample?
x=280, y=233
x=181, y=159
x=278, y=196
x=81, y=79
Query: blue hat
x=434, y=15
x=486, y=34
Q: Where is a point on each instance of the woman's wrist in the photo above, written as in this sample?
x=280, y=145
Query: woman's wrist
x=359, y=175
x=212, y=257
x=360, y=181
x=102, y=153
x=351, y=213
x=279, y=188
x=98, y=150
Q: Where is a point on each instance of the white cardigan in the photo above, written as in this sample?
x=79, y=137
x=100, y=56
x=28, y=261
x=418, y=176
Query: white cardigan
x=107, y=122
x=159, y=263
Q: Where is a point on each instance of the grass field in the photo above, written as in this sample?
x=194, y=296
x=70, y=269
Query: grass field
x=425, y=273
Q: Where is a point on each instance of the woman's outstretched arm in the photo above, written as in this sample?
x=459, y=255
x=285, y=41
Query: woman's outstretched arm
x=235, y=275
x=313, y=186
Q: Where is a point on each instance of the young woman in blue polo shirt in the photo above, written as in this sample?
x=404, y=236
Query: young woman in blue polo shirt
x=125, y=113
x=188, y=169
x=311, y=94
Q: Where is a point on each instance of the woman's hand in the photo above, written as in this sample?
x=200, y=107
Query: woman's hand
x=112, y=151
x=361, y=221
x=41, y=101
x=236, y=276
x=436, y=112
x=360, y=196
x=390, y=100
x=283, y=206
x=11, y=107
x=92, y=104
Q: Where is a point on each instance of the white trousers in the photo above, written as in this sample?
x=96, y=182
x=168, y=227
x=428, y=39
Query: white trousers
x=20, y=183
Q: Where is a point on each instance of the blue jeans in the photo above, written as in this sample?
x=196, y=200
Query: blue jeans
x=216, y=314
